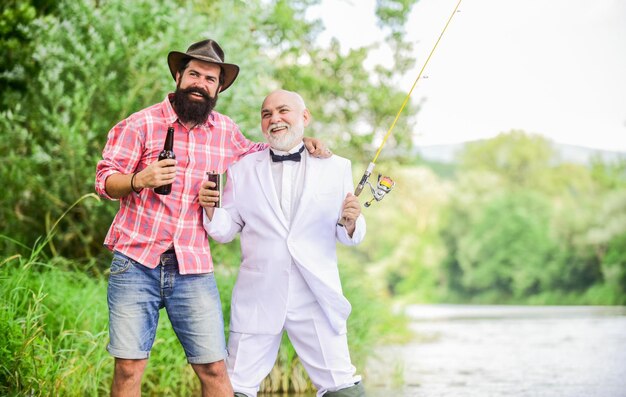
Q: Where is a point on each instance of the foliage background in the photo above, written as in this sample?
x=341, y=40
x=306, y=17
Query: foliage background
x=508, y=222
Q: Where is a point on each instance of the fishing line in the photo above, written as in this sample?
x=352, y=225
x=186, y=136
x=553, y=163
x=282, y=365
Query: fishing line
x=371, y=166
x=408, y=96
x=385, y=184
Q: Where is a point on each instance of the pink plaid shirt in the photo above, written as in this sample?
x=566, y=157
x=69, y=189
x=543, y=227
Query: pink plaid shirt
x=147, y=224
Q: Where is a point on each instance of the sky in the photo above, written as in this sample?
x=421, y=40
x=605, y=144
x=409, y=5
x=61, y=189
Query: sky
x=551, y=67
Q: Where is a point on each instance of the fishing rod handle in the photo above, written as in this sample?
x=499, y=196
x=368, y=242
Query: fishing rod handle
x=364, y=178
x=360, y=186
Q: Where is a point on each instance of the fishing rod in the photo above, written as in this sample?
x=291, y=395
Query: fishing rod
x=385, y=183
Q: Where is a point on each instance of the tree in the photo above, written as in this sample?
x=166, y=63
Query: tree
x=95, y=65
x=95, y=62
x=508, y=252
x=17, y=44
x=519, y=158
x=522, y=223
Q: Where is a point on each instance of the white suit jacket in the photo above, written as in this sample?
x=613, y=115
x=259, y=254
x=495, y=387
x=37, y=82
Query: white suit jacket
x=269, y=245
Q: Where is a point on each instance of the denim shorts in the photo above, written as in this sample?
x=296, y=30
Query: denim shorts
x=135, y=295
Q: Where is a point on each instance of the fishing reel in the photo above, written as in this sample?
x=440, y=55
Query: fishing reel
x=383, y=186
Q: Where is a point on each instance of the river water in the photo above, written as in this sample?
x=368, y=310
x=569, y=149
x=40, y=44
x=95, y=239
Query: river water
x=513, y=351
x=503, y=351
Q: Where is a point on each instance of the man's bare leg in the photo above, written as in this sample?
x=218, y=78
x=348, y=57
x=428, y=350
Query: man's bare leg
x=127, y=377
x=214, y=379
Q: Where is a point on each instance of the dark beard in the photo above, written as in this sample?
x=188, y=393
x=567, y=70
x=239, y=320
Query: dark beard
x=191, y=111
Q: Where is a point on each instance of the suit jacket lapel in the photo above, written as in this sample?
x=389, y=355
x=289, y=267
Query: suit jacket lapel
x=266, y=180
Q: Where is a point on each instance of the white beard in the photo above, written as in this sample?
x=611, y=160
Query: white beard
x=284, y=141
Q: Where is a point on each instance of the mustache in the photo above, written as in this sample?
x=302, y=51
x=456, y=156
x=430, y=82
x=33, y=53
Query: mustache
x=272, y=127
x=196, y=90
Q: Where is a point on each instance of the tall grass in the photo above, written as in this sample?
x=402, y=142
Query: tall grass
x=53, y=324
x=54, y=329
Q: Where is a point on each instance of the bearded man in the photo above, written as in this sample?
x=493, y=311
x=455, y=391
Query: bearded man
x=286, y=205
x=161, y=253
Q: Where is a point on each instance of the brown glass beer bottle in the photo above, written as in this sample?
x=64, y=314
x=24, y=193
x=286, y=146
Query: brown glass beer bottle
x=167, y=153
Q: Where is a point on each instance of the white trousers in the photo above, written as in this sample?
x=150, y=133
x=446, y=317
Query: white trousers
x=323, y=353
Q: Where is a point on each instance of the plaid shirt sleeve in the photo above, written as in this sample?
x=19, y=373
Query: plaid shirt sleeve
x=121, y=154
x=246, y=146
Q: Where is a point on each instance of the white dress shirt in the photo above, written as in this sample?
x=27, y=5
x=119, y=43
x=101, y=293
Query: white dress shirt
x=289, y=180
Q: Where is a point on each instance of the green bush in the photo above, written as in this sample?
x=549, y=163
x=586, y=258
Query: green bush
x=96, y=64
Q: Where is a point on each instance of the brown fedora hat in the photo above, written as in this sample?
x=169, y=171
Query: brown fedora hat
x=207, y=51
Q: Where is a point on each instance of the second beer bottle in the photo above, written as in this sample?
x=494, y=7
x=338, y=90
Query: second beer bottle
x=167, y=153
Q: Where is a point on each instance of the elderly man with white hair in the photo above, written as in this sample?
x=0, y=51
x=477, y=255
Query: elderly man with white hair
x=286, y=204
